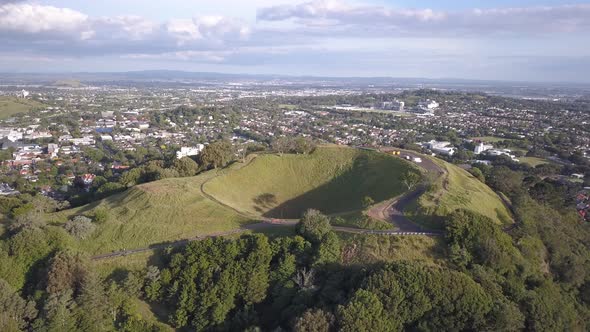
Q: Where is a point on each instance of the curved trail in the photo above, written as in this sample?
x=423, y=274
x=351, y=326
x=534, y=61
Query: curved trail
x=390, y=210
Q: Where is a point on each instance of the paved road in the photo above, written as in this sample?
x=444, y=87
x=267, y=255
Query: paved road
x=391, y=210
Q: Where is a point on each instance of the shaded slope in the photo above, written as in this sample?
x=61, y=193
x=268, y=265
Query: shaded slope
x=332, y=179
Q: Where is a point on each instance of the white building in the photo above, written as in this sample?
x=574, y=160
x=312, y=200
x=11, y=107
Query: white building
x=86, y=140
x=428, y=105
x=432, y=105
x=11, y=134
x=481, y=148
x=189, y=151
x=502, y=152
x=443, y=148
x=393, y=105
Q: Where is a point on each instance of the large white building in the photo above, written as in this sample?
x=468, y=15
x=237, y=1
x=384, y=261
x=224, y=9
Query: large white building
x=189, y=151
x=443, y=148
x=502, y=152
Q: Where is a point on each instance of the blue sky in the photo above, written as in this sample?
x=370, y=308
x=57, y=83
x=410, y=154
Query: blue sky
x=503, y=40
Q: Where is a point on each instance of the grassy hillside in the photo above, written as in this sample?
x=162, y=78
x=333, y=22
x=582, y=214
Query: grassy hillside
x=332, y=179
x=156, y=212
x=457, y=190
x=10, y=106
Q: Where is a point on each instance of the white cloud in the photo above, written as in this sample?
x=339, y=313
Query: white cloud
x=428, y=22
x=319, y=35
x=35, y=19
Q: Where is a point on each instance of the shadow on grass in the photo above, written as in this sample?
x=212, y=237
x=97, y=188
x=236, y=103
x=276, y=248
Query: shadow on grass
x=366, y=177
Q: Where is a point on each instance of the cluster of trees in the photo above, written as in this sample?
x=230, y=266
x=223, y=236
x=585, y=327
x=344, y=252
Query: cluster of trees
x=535, y=277
x=296, y=145
x=68, y=295
x=492, y=280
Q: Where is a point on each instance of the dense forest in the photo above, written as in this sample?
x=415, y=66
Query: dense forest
x=535, y=276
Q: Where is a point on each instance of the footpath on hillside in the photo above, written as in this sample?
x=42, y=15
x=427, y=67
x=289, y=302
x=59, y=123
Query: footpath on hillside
x=390, y=211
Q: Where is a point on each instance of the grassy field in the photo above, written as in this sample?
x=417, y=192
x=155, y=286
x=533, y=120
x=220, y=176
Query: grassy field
x=359, y=220
x=492, y=139
x=332, y=179
x=10, y=106
x=156, y=212
x=460, y=190
x=367, y=249
x=533, y=161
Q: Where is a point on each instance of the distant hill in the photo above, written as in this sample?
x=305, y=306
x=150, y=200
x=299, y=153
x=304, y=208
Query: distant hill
x=68, y=83
x=10, y=106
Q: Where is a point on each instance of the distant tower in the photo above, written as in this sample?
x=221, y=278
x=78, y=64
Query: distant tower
x=401, y=106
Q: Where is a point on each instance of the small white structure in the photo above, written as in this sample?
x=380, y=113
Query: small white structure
x=24, y=94
x=189, y=151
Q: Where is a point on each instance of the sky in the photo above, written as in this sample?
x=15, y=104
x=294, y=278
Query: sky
x=528, y=40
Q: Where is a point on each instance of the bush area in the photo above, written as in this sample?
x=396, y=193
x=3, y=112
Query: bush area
x=478, y=277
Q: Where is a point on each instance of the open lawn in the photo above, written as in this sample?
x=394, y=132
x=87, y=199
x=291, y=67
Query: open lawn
x=533, y=161
x=10, y=106
x=491, y=139
x=458, y=190
x=155, y=212
x=331, y=179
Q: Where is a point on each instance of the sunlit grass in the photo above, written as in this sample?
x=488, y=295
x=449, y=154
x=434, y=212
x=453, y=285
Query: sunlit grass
x=167, y=210
x=457, y=190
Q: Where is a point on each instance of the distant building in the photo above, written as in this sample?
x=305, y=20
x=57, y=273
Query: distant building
x=502, y=152
x=24, y=94
x=428, y=105
x=189, y=151
x=393, y=105
x=443, y=148
x=10, y=134
x=481, y=148
x=52, y=150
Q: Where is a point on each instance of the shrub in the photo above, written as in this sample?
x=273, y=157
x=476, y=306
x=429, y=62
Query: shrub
x=80, y=227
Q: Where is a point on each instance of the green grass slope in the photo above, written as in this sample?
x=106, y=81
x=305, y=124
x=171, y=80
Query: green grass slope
x=156, y=212
x=10, y=106
x=458, y=189
x=331, y=179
